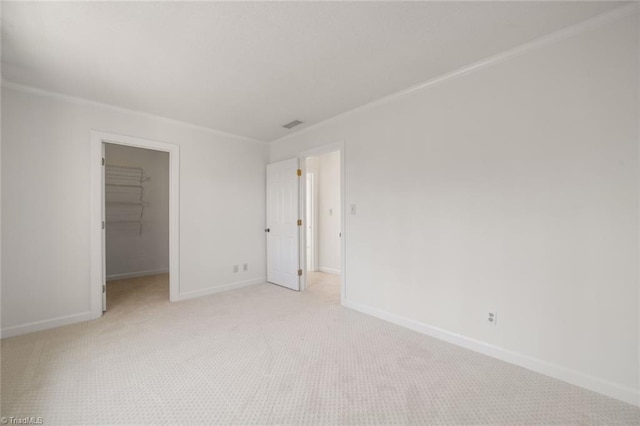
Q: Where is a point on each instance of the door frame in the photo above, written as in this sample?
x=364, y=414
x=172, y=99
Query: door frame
x=98, y=249
x=302, y=156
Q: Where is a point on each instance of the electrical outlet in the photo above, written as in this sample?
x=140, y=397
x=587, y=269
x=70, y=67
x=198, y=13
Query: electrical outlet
x=235, y=268
x=492, y=318
x=245, y=267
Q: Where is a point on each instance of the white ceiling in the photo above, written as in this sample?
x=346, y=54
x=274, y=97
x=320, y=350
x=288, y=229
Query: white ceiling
x=249, y=68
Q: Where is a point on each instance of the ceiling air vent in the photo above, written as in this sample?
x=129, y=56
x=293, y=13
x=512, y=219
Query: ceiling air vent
x=293, y=124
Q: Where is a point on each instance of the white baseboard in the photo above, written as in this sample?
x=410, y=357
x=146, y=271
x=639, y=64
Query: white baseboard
x=86, y=316
x=612, y=390
x=126, y=275
x=218, y=289
x=329, y=270
x=30, y=327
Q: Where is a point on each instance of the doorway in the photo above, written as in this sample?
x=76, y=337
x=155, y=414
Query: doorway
x=305, y=220
x=310, y=221
x=99, y=141
x=323, y=226
x=136, y=194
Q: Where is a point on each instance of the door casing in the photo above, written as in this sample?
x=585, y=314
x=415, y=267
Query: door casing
x=98, y=250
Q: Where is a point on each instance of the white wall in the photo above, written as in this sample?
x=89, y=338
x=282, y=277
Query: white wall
x=130, y=252
x=328, y=217
x=511, y=188
x=46, y=205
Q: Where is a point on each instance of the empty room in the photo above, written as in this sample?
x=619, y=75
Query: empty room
x=344, y=213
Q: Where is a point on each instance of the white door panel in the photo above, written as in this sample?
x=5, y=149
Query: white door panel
x=282, y=224
x=104, y=232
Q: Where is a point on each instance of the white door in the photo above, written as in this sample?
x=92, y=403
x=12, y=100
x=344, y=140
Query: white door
x=282, y=224
x=104, y=225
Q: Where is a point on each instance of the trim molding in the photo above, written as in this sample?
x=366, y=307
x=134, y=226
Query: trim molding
x=218, y=289
x=30, y=327
x=592, y=383
x=329, y=270
x=113, y=277
x=558, y=35
x=83, y=101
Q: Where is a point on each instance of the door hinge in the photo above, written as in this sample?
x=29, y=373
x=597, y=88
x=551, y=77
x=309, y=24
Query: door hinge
x=299, y=172
x=103, y=161
x=299, y=222
x=104, y=288
x=299, y=272
x=103, y=224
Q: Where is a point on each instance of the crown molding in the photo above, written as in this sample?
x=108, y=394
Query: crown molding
x=83, y=101
x=553, y=37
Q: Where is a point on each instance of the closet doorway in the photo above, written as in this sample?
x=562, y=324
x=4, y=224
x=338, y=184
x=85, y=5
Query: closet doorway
x=99, y=198
x=136, y=205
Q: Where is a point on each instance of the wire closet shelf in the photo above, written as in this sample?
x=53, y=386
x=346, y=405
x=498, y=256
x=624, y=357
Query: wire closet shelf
x=124, y=195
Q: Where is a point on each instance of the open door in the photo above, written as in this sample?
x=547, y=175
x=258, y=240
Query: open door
x=283, y=264
x=104, y=219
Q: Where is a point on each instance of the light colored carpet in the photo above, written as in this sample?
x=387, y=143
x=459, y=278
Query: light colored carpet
x=268, y=355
